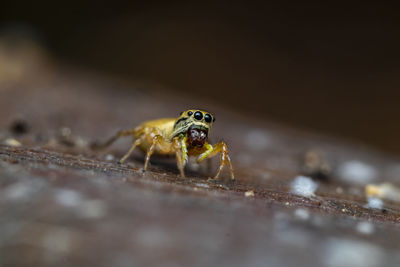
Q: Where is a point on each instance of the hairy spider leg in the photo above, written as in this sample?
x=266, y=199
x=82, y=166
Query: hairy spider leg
x=140, y=135
x=115, y=138
x=179, y=151
x=213, y=150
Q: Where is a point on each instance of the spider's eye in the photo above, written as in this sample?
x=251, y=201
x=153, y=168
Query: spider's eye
x=190, y=113
x=208, y=118
x=180, y=113
x=198, y=115
x=213, y=119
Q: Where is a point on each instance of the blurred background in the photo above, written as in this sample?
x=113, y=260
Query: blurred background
x=327, y=67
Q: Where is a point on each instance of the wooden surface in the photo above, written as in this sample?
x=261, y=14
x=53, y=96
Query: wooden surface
x=62, y=204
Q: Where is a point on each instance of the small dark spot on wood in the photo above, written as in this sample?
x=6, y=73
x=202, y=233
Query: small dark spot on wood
x=19, y=127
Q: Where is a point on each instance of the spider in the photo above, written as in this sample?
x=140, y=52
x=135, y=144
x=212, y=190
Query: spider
x=184, y=136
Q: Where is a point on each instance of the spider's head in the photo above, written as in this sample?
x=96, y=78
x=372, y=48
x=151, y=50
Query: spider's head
x=195, y=124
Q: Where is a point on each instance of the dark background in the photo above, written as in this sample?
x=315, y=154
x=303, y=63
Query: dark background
x=330, y=67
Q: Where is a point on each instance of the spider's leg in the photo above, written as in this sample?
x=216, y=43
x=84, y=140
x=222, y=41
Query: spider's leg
x=213, y=150
x=177, y=145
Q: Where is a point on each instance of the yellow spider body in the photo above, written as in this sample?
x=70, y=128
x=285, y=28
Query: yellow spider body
x=160, y=127
x=184, y=136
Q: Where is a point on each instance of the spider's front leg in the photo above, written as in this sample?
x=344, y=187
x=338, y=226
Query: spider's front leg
x=180, y=149
x=213, y=150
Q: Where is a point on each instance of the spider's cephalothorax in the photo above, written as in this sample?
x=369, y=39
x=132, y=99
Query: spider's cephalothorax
x=184, y=136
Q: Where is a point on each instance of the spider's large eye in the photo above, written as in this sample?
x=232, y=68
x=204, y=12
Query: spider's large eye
x=198, y=115
x=208, y=118
x=190, y=113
